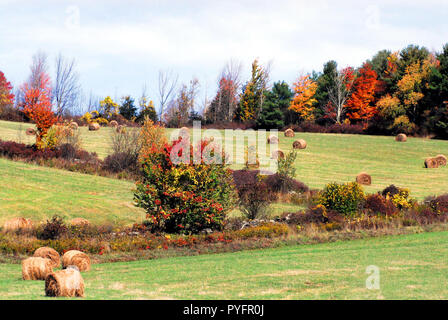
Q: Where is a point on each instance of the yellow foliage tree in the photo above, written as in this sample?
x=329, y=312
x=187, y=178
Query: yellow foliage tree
x=303, y=101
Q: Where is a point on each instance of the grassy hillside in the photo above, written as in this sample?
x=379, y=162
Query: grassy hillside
x=39, y=192
x=328, y=157
x=411, y=267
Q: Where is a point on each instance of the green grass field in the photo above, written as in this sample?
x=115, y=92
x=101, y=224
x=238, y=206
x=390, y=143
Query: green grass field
x=411, y=267
x=328, y=157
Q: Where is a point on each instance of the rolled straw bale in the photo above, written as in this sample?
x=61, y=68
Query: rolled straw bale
x=401, y=137
x=431, y=163
x=113, y=124
x=76, y=258
x=30, y=132
x=16, y=224
x=289, y=133
x=36, y=268
x=74, y=125
x=364, y=179
x=94, y=126
x=49, y=253
x=441, y=160
x=299, y=144
x=273, y=139
x=65, y=283
x=278, y=154
x=79, y=222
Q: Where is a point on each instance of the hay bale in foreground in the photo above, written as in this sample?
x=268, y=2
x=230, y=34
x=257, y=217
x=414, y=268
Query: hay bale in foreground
x=113, y=124
x=30, y=132
x=401, y=137
x=299, y=144
x=16, y=224
x=79, y=222
x=273, y=139
x=255, y=165
x=289, y=133
x=65, y=283
x=277, y=154
x=364, y=179
x=36, y=268
x=49, y=253
x=74, y=125
x=94, y=126
x=441, y=160
x=76, y=258
x=431, y=163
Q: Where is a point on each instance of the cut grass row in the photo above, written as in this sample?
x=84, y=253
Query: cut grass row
x=410, y=266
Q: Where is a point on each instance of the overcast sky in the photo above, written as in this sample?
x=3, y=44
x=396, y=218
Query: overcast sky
x=119, y=46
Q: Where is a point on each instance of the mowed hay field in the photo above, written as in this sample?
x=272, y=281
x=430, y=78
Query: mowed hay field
x=327, y=158
x=410, y=267
x=37, y=192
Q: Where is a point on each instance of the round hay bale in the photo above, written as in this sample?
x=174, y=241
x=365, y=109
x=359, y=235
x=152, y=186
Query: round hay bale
x=30, y=132
x=273, y=139
x=113, y=124
x=76, y=258
x=401, y=137
x=74, y=125
x=79, y=222
x=364, y=179
x=431, y=163
x=289, y=133
x=441, y=160
x=299, y=144
x=277, y=154
x=255, y=165
x=94, y=126
x=49, y=253
x=65, y=283
x=36, y=268
x=16, y=224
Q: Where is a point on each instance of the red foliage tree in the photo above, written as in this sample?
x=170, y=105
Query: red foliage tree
x=360, y=105
x=37, y=105
x=6, y=96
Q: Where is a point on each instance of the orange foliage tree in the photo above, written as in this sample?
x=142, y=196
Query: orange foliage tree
x=360, y=105
x=6, y=97
x=303, y=101
x=37, y=105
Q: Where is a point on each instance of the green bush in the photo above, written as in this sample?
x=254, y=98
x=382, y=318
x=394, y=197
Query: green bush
x=184, y=198
x=343, y=198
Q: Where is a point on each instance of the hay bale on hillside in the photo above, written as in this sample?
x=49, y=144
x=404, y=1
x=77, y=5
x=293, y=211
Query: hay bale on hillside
x=401, y=137
x=36, y=268
x=441, y=160
x=94, y=126
x=289, y=133
x=277, y=154
x=113, y=124
x=16, y=224
x=76, y=258
x=255, y=165
x=431, y=163
x=364, y=179
x=79, y=222
x=30, y=132
x=49, y=253
x=299, y=144
x=74, y=125
x=273, y=139
x=65, y=283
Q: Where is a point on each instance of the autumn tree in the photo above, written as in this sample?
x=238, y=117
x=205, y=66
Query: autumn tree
x=6, y=95
x=147, y=109
x=339, y=93
x=37, y=105
x=303, y=102
x=108, y=107
x=360, y=105
x=223, y=104
x=179, y=109
x=253, y=94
